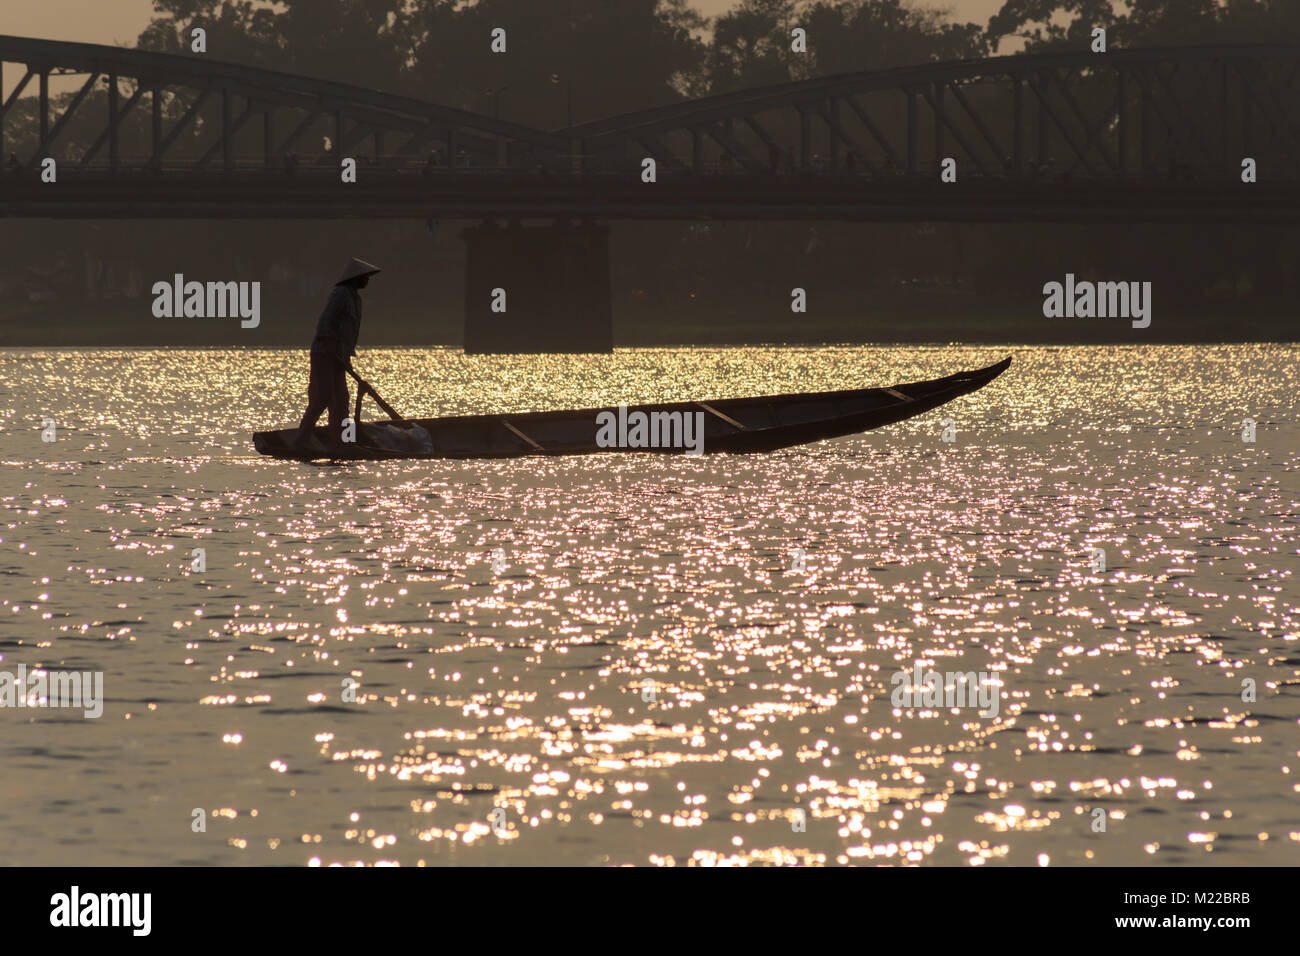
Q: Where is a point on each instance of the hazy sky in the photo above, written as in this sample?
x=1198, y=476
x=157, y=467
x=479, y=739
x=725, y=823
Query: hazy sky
x=120, y=21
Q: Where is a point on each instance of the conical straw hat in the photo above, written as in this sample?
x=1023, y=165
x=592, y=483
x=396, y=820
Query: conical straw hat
x=357, y=267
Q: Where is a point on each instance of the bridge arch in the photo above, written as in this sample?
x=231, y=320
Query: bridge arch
x=1117, y=115
x=203, y=111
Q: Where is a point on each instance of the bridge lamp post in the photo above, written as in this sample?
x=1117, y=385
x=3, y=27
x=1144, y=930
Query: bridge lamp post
x=495, y=93
x=568, y=93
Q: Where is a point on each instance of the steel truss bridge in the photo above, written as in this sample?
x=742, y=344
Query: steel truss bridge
x=1129, y=135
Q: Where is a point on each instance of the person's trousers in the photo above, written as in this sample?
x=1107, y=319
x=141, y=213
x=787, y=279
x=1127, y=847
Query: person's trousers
x=327, y=387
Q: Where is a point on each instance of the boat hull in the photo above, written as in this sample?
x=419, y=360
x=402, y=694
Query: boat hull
x=737, y=425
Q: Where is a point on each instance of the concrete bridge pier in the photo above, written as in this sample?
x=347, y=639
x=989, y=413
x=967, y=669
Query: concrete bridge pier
x=538, y=288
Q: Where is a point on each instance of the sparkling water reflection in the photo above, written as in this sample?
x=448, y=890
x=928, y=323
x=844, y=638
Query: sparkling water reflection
x=652, y=677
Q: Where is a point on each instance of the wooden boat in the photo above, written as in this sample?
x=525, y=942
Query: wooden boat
x=736, y=425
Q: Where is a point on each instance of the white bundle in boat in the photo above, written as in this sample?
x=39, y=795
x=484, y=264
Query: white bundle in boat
x=407, y=441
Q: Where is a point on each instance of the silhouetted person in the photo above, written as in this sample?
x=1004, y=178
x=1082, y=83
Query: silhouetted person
x=332, y=349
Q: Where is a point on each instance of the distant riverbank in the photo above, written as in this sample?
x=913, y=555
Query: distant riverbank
x=913, y=317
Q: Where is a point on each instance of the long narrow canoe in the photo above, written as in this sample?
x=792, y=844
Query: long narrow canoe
x=734, y=425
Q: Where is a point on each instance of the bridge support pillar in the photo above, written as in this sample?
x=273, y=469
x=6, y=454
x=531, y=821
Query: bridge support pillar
x=538, y=289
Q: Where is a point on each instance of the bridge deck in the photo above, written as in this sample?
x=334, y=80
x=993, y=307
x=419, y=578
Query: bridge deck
x=396, y=194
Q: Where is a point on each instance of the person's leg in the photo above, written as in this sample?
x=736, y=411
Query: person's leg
x=318, y=398
x=338, y=402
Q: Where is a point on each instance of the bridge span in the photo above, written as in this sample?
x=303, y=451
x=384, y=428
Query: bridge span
x=1157, y=134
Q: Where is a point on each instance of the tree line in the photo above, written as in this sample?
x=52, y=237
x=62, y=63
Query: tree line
x=623, y=55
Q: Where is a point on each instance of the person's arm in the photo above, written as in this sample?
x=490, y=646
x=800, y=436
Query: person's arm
x=353, y=314
x=340, y=308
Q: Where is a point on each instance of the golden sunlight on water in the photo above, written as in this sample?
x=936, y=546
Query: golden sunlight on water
x=675, y=661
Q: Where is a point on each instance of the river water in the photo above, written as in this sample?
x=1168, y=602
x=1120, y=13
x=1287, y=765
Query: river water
x=650, y=674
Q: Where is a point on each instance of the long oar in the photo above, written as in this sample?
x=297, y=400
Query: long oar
x=362, y=387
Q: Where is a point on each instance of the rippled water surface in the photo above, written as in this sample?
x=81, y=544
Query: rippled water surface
x=648, y=679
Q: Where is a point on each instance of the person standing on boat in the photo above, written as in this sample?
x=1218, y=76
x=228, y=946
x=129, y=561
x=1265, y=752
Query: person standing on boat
x=332, y=349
